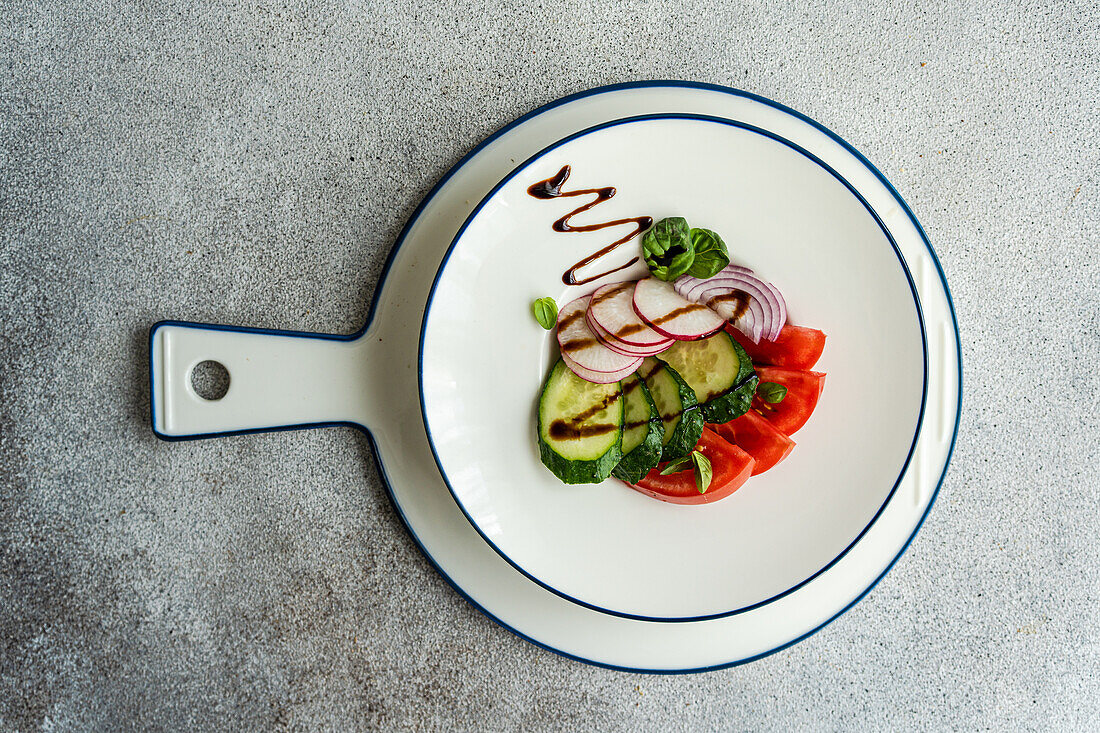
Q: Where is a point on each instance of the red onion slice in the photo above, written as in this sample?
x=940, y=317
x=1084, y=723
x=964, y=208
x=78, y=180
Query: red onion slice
x=748, y=320
x=759, y=297
x=782, y=310
x=771, y=312
x=751, y=284
x=746, y=323
x=779, y=303
x=756, y=305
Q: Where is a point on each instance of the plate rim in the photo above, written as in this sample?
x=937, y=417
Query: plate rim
x=731, y=91
x=391, y=258
x=619, y=122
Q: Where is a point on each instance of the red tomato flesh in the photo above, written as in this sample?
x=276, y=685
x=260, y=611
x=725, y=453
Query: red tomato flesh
x=731, y=466
x=803, y=391
x=797, y=347
x=757, y=437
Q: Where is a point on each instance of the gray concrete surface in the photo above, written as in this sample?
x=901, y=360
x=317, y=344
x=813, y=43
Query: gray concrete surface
x=253, y=162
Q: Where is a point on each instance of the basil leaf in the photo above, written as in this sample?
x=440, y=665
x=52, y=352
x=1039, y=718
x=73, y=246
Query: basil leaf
x=771, y=392
x=668, y=249
x=546, y=312
x=680, y=464
x=703, y=472
x=711, y=256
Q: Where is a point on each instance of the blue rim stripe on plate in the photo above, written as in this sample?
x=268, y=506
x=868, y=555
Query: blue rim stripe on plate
x=731, y=123
x=415, y=216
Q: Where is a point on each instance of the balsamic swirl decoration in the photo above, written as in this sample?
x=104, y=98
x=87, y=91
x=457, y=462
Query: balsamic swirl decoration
x=551, y=189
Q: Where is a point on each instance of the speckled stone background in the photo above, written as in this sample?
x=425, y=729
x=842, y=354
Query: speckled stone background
x=253, y=162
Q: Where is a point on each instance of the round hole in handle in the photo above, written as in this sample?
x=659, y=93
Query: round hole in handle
x=210, y=380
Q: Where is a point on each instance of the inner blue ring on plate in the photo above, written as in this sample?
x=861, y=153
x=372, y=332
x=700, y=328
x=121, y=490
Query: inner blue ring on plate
x=706, y=118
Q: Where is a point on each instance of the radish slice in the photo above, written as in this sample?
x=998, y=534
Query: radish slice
x=620, y=347
x=603, y=338
x=606, y=340
x=612, y=309
x=600, y=377
x=581, y=346
x=667, y=312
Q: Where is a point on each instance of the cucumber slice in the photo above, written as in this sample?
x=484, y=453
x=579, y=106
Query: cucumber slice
x=643, y=432
x=580, y=427
x=679, y=409
x=719, y=372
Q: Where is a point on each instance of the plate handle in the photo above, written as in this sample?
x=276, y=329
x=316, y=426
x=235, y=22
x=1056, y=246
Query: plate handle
x=277, y=380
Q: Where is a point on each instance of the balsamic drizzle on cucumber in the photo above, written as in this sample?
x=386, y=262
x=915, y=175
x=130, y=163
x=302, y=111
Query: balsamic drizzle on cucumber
x=580, y=426
x=643, y=432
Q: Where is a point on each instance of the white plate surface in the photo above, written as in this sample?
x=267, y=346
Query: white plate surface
x=783, y=213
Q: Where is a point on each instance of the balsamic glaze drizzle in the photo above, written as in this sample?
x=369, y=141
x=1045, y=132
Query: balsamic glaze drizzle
x=551, y=188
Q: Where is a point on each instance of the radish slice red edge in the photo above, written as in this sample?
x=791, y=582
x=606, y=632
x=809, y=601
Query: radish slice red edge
x=622, y=348
x=599, y=377
x=669, y=313
x=612, y=309
x=577, y=342
x=607, y=341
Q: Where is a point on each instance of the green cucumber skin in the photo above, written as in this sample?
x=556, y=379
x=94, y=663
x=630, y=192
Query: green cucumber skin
x=734, y=402
x=638, y=462
x=580, y=472
x=690, y=428
x=687, y=434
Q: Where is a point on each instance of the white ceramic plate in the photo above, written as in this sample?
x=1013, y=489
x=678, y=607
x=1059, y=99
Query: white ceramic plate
x=369, y=379
x=782, y=212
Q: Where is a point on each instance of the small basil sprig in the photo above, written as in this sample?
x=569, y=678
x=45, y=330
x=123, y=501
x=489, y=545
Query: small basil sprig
x=771, y=392
x=668, y=249
x=546, y=312
x=700, y=464
x=711, y=255
x=703, y=472
x=676, y=466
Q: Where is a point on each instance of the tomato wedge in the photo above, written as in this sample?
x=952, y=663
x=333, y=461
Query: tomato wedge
x=757, y=437
x=797, y=347
x=803, y=391
x=731, y=466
